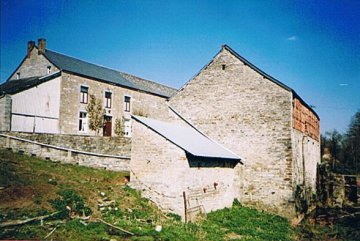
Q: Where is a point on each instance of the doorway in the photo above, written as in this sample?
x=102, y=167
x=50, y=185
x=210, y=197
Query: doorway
x=107, y=126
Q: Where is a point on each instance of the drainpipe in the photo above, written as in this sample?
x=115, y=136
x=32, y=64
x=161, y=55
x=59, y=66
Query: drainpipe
x=303, y=163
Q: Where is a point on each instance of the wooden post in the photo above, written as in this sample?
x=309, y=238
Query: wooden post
x=8, y=141
x=185, y=206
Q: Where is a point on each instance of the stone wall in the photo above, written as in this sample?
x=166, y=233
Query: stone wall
x=306, y=158
x=36, y=65
x=99, y=152
x=163, y=172
x=119, y=146
x=5, y=113
x=250, y=115
x=141, y=102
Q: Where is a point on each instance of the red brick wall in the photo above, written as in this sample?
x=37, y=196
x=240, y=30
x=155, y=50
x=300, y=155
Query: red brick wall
x=305, y=120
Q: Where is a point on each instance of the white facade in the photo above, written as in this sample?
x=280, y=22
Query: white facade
x=37, y=109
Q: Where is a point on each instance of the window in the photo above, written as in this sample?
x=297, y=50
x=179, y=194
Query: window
x=107, y=99
x=18, y=75
x=127, y=128
x=84, y=94
x=48, y=69
x=127, y=100
x=83, y=122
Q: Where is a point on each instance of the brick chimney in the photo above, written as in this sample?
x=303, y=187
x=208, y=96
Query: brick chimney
x=30, y=46
x=41, y=45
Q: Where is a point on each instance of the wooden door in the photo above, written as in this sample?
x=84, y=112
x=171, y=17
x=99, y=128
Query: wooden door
x=107, y=126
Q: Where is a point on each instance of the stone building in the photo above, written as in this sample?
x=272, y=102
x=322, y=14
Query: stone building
x=174, y=163
x=232, y=131
x=49, y=93
x=255, y=116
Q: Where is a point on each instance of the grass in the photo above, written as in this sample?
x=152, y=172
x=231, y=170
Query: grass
x=34, y=187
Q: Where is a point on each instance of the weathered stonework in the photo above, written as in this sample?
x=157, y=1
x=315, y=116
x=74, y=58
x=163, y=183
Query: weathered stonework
x=166, y=175
x=35, y=65
x=111, y=153
x=248, y=113
x=70, y=106
x=5, y=113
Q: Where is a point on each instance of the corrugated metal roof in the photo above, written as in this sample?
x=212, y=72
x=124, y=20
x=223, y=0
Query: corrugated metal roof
x=83, y=68
x=188, y=139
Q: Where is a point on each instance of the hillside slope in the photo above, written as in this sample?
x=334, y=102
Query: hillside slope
x=92, y=204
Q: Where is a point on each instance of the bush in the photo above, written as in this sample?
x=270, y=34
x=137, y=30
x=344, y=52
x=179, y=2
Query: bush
x=70, y=200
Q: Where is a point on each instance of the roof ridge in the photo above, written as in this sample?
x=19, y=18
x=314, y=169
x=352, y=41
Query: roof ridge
x=98, y=65
x=152, y=81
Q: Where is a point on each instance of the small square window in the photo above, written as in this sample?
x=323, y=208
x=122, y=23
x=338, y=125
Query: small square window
x=48, y=69
x=18, y=75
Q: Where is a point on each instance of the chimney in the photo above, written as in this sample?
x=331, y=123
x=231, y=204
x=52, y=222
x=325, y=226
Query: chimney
x=41, y=45
x=30, y=46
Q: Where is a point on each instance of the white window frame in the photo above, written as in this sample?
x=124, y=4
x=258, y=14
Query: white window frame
x=83, y=122
x=127, y=105
x=108, y=101
x=84, y=99
x=127, y=128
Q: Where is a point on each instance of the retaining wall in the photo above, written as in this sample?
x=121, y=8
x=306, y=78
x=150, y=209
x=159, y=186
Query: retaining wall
x=98, y=152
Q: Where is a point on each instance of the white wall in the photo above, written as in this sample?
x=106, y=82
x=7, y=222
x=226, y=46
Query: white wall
x=37, y=109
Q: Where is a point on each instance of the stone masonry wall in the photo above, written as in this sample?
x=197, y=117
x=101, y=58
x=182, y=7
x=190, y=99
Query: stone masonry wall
x=306, y=151
x=5, y=113
x=98, y=152
x=147, y=104
x=120, y=146
x=36, y=65
x=250, y=115
x=162, y=171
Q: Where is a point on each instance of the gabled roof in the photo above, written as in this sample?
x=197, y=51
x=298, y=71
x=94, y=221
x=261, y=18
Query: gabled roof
x=187, y=138
x=259, y=71
x=80, y=67
x=16, y=86
x=267, y=76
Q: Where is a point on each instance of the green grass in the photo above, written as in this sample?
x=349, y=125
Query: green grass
x=35, y=187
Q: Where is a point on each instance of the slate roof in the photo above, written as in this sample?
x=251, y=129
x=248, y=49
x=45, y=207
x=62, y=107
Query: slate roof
x=187, y=138
x=80, y=67
x=15, y=86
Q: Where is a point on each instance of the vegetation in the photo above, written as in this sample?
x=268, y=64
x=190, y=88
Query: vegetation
x=119, y=127
x=344, y=148
x=90, y=199
x=96, y=114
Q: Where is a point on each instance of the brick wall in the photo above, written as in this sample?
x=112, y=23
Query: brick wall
x=163, y=172
x=251, y=116
x=305, y=120
x=5, y=113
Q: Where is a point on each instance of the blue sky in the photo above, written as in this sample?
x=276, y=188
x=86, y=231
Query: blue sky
x=311, y=46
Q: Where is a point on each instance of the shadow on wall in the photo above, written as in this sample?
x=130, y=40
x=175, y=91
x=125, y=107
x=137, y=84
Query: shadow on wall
x=207, y=162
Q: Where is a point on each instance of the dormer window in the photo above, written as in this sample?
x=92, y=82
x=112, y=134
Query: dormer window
x=48, y=69
x=107, y=99
x=18, y=75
